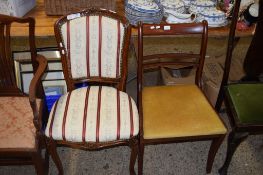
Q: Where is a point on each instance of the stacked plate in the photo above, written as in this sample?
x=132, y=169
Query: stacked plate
x=173, y=5
x=147, y=11
x=201, y=6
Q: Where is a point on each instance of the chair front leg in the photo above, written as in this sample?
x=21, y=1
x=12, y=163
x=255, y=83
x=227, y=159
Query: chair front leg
x=216, y=142
x=52, y=148
x=38, y=163
x=234, y=140
x=134, y=153
x=140, y=158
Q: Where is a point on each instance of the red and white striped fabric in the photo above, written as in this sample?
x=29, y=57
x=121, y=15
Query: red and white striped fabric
x=94, y=46
x=93, y=114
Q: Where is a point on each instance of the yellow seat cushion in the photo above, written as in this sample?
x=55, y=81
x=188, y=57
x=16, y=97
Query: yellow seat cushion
x=178, y=111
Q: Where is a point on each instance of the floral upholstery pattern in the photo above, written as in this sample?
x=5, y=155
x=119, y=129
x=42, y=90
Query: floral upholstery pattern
x=94, y=46
x=93, y=114
x=16, y=123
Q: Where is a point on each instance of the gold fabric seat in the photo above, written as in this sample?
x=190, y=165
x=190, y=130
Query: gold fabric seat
x=190, y=114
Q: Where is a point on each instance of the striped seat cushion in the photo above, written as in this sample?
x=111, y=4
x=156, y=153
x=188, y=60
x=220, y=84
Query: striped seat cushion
x=93, y=114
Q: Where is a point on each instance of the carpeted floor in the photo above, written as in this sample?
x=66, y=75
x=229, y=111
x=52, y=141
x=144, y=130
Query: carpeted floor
x=178, y=159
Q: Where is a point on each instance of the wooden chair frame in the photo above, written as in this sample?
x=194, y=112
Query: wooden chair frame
x=173, y=30
x=8, y=87
x=119, y=83
x=238, y=134
x=239, y=131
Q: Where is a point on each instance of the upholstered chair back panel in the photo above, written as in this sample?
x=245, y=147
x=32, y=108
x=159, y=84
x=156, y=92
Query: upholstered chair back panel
x=94, y=46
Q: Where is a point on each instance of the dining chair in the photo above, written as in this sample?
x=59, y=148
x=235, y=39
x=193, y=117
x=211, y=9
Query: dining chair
x=178, y=113
x=244, y=99
x=22, y=139
x=93, y=45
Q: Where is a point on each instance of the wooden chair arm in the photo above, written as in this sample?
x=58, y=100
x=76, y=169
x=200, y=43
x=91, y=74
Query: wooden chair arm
x=42, y=65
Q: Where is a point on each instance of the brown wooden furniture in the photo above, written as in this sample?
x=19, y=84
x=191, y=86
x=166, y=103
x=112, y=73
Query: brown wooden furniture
x=93, y=45
x=44, y=23
x=243, y=100
x=21, y=136
x=177, y=113
x=253, y=63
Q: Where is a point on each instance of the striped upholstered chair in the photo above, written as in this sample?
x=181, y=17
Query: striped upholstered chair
x=93, y=45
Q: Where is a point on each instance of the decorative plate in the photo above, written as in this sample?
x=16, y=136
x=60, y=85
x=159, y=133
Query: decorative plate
x=143, y=5
x=175, y=4
x=204, y=3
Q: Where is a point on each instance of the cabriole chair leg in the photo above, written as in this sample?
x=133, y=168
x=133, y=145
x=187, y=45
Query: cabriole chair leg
x=52, y=148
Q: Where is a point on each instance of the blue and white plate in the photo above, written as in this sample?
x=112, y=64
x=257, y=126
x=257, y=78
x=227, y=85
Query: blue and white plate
x=143, y=5
x=147, y=11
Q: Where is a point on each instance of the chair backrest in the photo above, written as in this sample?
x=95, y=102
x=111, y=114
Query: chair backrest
x=181, y=59
x=253, y=63
x=93, y=45
x=8, y=84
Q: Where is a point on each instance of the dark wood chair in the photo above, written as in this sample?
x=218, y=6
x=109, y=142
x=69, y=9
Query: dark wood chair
x=20, y=127
x=93, y=45
x=244, y=99
x=178, y=113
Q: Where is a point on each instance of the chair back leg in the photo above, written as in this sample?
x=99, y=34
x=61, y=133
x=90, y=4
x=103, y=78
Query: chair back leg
x=46, y=166
x=234, y=140
x=212, y=152
x=140, y=159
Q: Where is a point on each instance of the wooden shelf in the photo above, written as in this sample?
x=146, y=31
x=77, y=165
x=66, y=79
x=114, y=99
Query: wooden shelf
x=44, y=23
